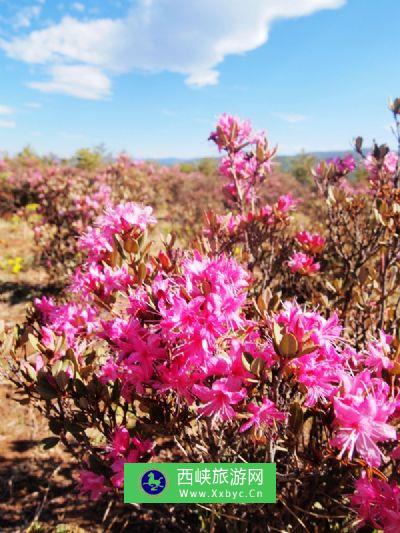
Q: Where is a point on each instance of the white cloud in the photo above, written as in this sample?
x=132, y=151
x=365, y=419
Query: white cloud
x=25, y=15
x=7, y=124
x=78, y=7
x=82, y=81
x=291, y=118
x=188, y=37
x=6, y=110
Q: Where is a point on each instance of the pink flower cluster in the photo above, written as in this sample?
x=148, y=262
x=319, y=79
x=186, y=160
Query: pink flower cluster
x=244, y=169
x=303, y=262
x=319, y=366
x=311, y=242
x=71, y=319
x=125, y=449
x=343, y=165
x=128, y=220
x=362, y=409
x=231, y=133
x=388, y=165
x=377, y=503
x=122, y=449
x=340, y=167
x=267, y=216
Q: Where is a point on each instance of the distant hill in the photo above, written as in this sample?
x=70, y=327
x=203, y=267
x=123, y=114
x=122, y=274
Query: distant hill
x=284, y=160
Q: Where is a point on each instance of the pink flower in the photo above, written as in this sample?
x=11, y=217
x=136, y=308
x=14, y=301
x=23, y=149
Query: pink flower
x=135, y=350
x=378, y=503
x=120, y=442
x=266, y=212
x=321, y=370
x=201, y=306
x=310, y=325
x=361, y=414
x=118, y=468
x=177, y=378
x=125, y=449
x=265, y=414
x=124, y=219
x=231, y=223
x=70, y=319
x=320, y=376
x=39, y=363
x=376, y=356
x=303, y=264
x=100, y=280
x=343, y=165
x=312, y=242
x=218, y=401
x=231, y=132
x=95, y=243
x=389, y=164
x=396, y=453
x=285, y=203
x=92, y=484
x=238, y=164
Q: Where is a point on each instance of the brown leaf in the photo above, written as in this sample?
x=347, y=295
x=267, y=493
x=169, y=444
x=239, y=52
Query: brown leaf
x=257, y=366
x=288, y=346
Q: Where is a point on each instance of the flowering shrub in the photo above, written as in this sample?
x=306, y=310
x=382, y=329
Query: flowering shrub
x=234, y=350
x=60, y=201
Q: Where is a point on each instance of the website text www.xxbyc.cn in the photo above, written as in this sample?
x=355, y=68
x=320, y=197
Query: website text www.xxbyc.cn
x=218, y=493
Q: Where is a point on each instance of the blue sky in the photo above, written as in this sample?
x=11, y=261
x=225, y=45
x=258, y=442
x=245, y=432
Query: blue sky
x=151, y=76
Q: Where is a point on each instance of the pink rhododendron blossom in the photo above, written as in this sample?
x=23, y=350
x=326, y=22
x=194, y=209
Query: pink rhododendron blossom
x=92, y=484
x=135, y=352
x=377, y=503
x=319, y=375
x=311, y=242
x=218, y=401
x=396, y=453
x=285, y=203
x=321, y=370
x=303, y=263
x=389, y=164
x=70, y=319
x=361, y=417
x=310, y=325
x=344, y=165
x=125, y=219
x=230, y=222
x=125, y=449
x=100, y=280
x=339, y=168
x=231, y=132
x=120, y=442
x=266, y=212
x=203, y=305
x=39, y=363
x=264, y=414
x=376, y=356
